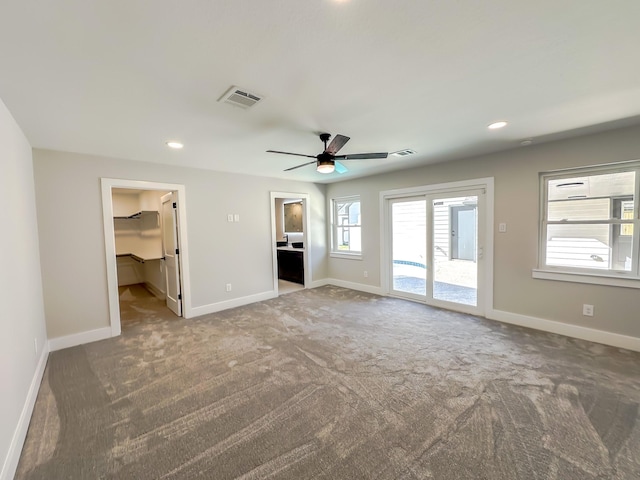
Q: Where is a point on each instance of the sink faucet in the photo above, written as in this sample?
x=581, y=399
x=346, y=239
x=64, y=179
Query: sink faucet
x=286, y=238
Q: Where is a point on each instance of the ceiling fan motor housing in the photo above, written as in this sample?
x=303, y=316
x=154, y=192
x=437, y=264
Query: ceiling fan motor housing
x=326, y=157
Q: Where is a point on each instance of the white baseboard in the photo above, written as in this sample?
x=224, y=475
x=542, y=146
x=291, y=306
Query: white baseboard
x=67, y=341
x=155, y=290
x=233, y=303
x=20, y=434
x=361, y=287
x=319, y=283
x=569, y=330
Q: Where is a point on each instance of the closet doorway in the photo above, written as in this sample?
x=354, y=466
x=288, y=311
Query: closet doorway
x=145, y=240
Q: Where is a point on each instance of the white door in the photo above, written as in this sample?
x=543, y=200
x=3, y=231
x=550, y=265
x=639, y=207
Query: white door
x=171, y=250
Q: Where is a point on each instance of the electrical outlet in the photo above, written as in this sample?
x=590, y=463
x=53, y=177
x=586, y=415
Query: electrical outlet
x=366, y=274
x=228, y=287
x=587, y=310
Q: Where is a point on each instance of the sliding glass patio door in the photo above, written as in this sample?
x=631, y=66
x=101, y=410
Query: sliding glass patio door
x=436, y=248
x=454, y=250
x=409, y=247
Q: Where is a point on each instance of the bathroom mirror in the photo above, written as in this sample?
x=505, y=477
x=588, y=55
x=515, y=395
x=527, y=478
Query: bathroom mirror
x=293, y=217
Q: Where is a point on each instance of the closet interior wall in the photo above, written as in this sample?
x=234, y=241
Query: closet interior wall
x=138, y=238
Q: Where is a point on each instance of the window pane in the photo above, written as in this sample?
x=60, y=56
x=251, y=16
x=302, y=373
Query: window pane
x=348, y=213
x=455, y=244
x=585, y=209
x=608, y=185
x=593, y=197
x=624, y=211
x=591, y=221
x=409, y=230
x=589, y=246
x=346, y=225
x=348, y=239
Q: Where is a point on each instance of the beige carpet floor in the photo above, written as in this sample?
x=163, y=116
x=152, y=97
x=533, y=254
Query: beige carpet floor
x=331, y=383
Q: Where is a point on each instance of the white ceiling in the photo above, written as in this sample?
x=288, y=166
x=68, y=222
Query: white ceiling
x=121, y=77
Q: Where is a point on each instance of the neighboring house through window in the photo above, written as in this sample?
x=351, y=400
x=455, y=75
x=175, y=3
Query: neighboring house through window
x=589, y=222
x=346, y=227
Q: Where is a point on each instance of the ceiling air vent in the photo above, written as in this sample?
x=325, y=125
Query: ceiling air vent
x=240, y=98
x=404, y=153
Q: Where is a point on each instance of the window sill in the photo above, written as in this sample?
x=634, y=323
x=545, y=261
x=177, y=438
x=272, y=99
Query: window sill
x=350, y=256
x=591, y=278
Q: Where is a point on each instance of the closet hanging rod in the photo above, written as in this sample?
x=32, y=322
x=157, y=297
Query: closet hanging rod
x=137, y=215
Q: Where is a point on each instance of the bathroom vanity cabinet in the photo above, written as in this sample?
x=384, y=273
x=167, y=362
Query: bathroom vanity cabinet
x=291, y=265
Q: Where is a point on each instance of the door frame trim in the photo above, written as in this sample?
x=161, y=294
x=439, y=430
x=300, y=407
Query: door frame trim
x=107, y=185
x=306, y=201
x=486, y=183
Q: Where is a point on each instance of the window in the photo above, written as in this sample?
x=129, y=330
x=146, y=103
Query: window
x=346, y=226
x=589, y=222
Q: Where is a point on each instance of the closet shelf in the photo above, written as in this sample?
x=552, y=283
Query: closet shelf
x=138, y=258
x=139, y=215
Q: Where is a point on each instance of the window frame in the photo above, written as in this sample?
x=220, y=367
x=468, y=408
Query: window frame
x=334, y=251
x=615, y=277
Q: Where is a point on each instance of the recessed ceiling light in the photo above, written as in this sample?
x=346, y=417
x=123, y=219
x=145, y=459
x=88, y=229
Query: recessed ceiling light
x=497, y=125
x=176, y=145
x=526, y=142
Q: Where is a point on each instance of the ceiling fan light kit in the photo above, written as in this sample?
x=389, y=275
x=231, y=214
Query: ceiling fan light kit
x=326, y=161
x=325, y=166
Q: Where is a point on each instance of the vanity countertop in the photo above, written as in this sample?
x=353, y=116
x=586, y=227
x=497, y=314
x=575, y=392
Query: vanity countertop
x=291, y=249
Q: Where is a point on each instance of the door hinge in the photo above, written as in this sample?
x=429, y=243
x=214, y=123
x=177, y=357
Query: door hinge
x=175, y=205
x=177, y=251
x=179, y=296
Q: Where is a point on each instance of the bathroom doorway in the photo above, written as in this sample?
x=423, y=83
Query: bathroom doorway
x=289, y=235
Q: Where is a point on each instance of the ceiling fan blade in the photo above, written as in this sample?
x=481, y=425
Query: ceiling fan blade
x=362, y=156
x=289, y=153
x=340, y=168
x=336, y=144
x=298, y=166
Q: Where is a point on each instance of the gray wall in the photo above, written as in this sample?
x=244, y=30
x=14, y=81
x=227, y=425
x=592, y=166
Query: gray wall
x=516, y=171
x=22, y=318
x=68, y=196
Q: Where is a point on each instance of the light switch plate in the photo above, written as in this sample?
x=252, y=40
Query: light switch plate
x=502, y=227
x=230, y=217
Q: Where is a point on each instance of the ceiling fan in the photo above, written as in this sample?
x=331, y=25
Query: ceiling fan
x=326, y=162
